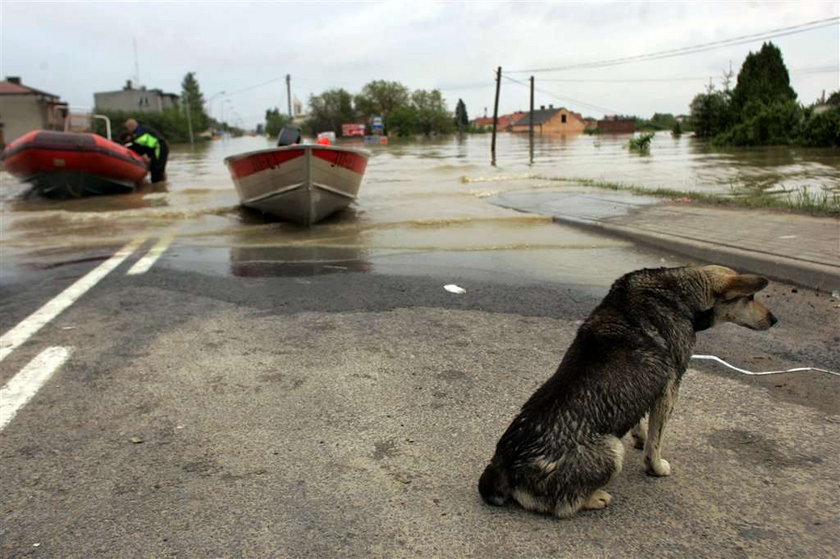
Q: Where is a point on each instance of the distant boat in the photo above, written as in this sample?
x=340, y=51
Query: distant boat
x=299, y=183
x=73, y=164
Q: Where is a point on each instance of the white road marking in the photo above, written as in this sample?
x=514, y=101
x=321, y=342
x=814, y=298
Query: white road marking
x=37, y=320
x=24, y=385
x=142, y=266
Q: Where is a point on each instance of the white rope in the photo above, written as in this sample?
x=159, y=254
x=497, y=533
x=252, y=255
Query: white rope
x=761, y=373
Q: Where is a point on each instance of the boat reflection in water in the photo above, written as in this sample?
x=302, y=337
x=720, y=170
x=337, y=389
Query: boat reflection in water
x=295, y=261
x=145, y=196
x=265, y=251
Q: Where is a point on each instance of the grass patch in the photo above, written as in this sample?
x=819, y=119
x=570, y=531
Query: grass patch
x=820, y=203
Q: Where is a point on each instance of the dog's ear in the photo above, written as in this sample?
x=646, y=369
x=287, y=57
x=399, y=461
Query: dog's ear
x=741, y=285
x=728, y=284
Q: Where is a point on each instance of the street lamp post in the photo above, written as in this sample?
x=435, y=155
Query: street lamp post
x=222, y=117
x=210, y=101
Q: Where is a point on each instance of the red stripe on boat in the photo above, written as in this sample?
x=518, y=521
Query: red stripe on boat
x=346, y=159
x=258, y=162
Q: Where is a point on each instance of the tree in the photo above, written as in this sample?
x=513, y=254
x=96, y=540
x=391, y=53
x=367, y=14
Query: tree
x=709, y=113
x=763, y=78
x=432, y=116
x=403, y=121
x=822, y=129
x=275, y=121
x=659, y=121
x=462, y=121
x=192, y=100
x=426, y=114
x=381, y=98
x=331, y=109
x=676, y=129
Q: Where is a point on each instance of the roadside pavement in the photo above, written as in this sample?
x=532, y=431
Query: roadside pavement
x=794, y=248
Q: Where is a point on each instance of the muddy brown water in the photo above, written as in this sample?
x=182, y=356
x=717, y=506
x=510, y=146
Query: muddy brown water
x=423, y=206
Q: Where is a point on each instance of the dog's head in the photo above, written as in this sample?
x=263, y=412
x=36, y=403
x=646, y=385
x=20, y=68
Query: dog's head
x=732, y=298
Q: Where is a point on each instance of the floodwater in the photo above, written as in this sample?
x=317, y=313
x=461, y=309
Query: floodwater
x=423, y=207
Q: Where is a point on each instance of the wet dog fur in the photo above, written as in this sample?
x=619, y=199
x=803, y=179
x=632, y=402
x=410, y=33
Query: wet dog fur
x=626, y=361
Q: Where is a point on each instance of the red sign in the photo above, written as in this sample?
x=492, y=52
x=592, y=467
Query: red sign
x=353, y=129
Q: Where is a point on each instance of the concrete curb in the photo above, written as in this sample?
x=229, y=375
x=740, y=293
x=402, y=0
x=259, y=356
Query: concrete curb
x=806, y=274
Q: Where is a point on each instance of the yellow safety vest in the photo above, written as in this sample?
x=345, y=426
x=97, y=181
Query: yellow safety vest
x=149, y=141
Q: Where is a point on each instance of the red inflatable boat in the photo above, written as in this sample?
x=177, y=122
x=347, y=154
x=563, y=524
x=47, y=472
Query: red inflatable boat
x=70, y=164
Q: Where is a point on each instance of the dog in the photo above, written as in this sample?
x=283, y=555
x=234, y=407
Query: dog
x=626, y=361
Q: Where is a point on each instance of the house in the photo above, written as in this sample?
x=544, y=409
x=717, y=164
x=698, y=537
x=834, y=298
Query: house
x=483, y=122
x=129, y=99
x=24, y=108
x=612, y=124
x=504, y=122
x=551, y=121
x=821, y=108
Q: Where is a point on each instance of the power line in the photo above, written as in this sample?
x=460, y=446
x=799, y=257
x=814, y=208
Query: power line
x=779, y=32
x=813, y=70
x=584, y=104
x=237, y=92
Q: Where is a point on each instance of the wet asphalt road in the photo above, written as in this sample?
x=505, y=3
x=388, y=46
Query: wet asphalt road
x=349, y=414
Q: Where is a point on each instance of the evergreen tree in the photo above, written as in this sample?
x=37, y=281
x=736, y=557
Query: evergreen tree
x=192, y=100
x=763, y=78
x=462, y=121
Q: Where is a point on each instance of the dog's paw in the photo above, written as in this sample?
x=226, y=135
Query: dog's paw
x=659, y=468
x=598, y=500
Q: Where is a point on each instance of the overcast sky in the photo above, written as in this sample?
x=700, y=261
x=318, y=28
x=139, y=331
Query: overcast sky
x=76, y=49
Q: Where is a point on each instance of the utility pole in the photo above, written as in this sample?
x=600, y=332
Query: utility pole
x=289, y=94
x=495, y=117
x=189, y=118
x=531, y=123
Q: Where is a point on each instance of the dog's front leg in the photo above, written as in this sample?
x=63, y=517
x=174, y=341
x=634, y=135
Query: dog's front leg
x=658, y=417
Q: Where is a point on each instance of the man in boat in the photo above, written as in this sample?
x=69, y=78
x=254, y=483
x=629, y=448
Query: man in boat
x=151, y=144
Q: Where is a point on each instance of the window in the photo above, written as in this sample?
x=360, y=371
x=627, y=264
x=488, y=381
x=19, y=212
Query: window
x=563, y=119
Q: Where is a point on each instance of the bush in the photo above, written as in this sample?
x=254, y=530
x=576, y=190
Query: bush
x=275, y=121
x=403, y=121
x=642, y=142
x=676, y=129
x=775, y=123
x=821, y=130
x=171, y=123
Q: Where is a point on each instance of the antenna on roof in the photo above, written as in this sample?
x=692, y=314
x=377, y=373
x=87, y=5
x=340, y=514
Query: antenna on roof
x=136, y=63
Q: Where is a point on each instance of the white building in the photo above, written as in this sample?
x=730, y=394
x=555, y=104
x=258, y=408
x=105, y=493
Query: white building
x=24, y=108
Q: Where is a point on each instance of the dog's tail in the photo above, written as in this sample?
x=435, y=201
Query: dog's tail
x=494, y=485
